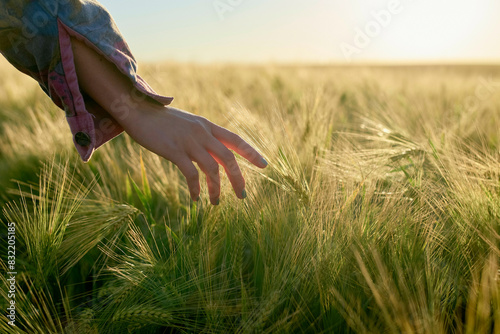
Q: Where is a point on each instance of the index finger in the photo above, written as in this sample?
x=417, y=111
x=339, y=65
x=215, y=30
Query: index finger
x=237, y=144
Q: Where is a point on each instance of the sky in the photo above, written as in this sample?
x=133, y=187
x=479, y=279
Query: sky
x=326, y=31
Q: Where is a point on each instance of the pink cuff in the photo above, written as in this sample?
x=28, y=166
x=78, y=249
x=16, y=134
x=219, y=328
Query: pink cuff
x=90, y=124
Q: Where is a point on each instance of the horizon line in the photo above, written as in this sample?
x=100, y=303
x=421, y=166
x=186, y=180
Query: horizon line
x=373, y=63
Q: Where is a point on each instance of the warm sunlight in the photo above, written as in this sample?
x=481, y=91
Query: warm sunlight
x=278, y=30
x=431, y=30
x=259, y=166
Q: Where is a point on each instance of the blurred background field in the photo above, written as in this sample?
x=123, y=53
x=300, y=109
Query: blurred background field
x=379, y=210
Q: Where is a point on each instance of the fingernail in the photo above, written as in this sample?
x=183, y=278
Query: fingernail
x=243, y=194
x=217, y=201
x=264, y=161
x=197, y=199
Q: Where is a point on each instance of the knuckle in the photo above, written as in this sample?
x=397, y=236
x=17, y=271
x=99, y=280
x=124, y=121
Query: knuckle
x=197, y=126
x=174, y=153
x=200, y=125
x=233, y=169
x=228, y=157
x=236, y=139
x=213, y=167
x=249, y=151
x=243, y=146
x=203, y=120
x=192, y=175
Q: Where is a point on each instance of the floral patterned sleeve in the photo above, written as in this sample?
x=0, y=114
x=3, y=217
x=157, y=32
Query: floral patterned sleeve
x=35, y=38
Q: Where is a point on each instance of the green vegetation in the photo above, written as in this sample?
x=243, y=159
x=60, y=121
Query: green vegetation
x=379, y=210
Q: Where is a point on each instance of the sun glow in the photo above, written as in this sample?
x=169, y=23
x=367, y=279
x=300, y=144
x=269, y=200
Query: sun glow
x=433, y=30
x=296, y=30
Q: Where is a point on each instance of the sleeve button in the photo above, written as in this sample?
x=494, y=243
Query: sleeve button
x=82, y=139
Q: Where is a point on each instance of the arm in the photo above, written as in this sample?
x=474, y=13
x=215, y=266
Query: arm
x=174, y=134
x=35, y=36
x=39, y=37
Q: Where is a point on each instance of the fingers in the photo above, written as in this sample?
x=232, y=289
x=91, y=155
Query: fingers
x=228, y=161
x=209, y=150
x=235, y=143
x=211, y=169
x=190, y=172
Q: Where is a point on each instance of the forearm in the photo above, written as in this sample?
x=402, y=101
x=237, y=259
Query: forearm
x=106, y=85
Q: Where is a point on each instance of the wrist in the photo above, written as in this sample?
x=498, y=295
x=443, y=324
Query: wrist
x=128, y=109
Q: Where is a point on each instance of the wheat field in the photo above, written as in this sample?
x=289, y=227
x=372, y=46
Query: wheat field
x=379, y=211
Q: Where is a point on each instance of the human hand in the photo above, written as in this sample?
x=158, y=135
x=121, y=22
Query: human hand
x=184, y=138
x=174, y=134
